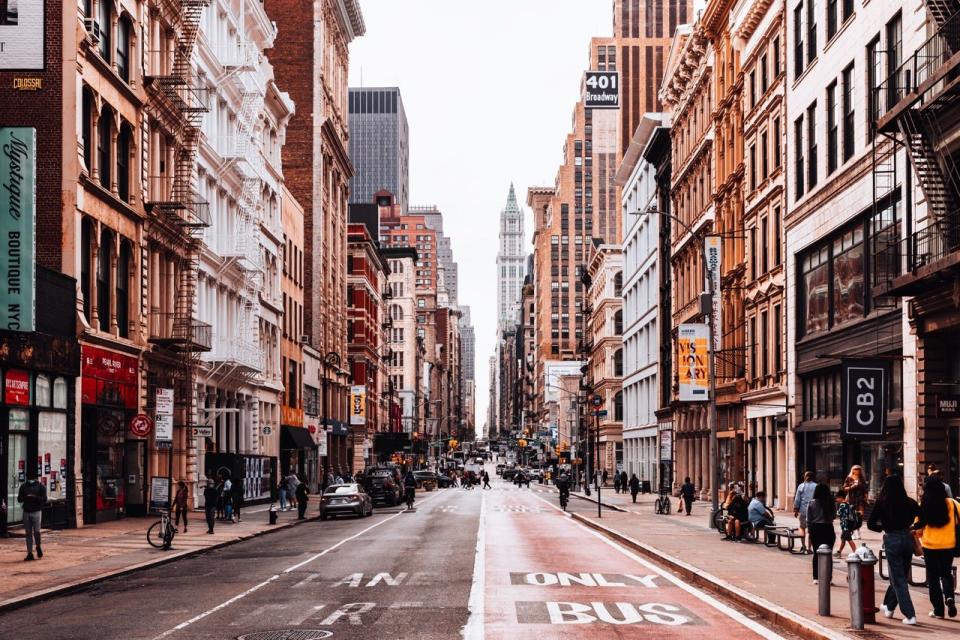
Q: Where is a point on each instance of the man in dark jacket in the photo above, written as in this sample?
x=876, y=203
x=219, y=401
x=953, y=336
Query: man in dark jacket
x=302, y=497
x=687, y=493
x=210, y=498
x=32, y=496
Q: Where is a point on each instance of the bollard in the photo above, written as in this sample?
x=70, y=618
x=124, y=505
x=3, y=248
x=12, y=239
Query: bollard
x=273, y=513
x=856, y=593
x=868, y=560
x=824, y=577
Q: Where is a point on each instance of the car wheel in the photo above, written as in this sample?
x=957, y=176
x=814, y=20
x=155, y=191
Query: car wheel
x=323, y=516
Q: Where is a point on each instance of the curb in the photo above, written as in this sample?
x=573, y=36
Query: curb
x=78, y=585
x=764, y=609
x=605, y=505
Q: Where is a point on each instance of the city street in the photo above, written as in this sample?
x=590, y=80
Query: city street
x=501, y=563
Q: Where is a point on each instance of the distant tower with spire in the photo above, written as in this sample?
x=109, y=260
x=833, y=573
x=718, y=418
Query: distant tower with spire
x=510, y=263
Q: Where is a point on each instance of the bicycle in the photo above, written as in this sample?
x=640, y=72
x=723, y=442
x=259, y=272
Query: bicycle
x=564, y=499
x=662, y=505
x=410, y=497
x=160, y=534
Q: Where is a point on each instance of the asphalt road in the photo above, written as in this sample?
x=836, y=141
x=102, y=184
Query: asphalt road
x=501, y=563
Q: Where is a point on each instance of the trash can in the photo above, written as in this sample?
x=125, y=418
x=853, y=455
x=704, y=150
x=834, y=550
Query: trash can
x=645, y=486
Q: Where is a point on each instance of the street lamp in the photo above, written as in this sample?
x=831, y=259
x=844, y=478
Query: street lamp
x=714, y=445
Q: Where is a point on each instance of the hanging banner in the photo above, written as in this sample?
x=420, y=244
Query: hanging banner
x=692, y=362
x=358, y=404
x=863, y=396
x=18, y=207
x=21, y=35
x=713, y=254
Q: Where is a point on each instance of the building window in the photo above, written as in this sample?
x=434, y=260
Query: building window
x=764, y=156
x=833, y=282
x=764, y=78
x=106, y=21
x=124, y=265
x=777, y=342
x=816, y=289
x=831, y=19
x=849, y=115
x=798, y=147
x=86, y=258
x=874, y=73
x=764, y=254
x=777, y=230
x=776, y=143
x=124, y=30
x=103, y=146
x=833, y=128
x=764, y=345
x=812, y=145
x=776, y=57
x=798, y=41
x=124, y=148
x=753, y=89
x=753, y=252
x=753, y=348
x=894, y=56
x=753, y=167
x=811, y=32
x=103, y=278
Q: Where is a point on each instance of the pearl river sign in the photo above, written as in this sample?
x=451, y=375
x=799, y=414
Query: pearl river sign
x=18, y=203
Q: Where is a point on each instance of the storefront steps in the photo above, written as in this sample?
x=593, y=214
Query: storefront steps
x=77, y=558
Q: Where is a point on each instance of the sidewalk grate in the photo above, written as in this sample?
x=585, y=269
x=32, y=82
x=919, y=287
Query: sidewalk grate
x=287, y=634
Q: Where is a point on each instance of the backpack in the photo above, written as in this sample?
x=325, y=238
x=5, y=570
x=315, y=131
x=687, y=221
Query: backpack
x=853, y=520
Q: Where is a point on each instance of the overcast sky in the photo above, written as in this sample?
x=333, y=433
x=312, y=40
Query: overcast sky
x=489, y=89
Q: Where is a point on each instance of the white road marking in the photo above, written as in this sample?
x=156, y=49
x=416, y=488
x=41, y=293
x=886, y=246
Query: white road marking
x=473, y=630
x=406, y=605
x=257, y=587
x=352, y=611
x=757, y=628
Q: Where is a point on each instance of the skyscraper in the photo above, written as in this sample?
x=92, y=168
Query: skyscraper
x=444, y=252
x=510, y=263
x=379, y=146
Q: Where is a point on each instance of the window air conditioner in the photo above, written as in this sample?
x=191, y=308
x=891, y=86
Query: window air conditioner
x=93, y=29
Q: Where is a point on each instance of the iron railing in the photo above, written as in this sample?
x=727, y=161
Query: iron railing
x=190, y=333
x=921, y=248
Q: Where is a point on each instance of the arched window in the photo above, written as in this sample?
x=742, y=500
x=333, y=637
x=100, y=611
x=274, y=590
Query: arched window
x=618, y=283
x=103, y=145
x=103, y=279
x=86, y=237
x=124, y=145
x=104, y=17
x=124, y=264
x=124, y=30
x=618, y=363
x=618, y=322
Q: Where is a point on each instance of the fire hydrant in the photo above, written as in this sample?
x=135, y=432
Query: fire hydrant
x=273, y=513
x=868, y=560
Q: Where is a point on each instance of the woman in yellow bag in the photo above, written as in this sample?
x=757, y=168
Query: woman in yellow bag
x=938, y=525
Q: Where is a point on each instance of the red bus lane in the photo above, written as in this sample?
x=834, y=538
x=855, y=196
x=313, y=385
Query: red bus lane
x=546, y=576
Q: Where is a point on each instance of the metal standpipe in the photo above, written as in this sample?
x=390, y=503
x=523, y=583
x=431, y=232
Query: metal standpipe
x=825, y=578
x=856, y=593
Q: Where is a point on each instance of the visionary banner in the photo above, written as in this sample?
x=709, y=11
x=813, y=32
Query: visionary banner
x=21, y=34
x=18, y=206
x=358, y=404
x=692, y=362
x=713, y=254
x=863, y=396
x=602, y=90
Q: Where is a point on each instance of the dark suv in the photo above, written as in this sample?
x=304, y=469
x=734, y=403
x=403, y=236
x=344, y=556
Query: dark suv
x=383, y=486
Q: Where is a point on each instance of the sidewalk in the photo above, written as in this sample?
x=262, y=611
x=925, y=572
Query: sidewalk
x=73, y=558
x=758, y=575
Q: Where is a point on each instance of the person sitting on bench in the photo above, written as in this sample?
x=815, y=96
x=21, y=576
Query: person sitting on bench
x=759, y=513
x=737, y=517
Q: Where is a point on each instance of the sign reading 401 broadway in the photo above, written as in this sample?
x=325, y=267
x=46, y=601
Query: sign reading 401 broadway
x=602, y=90
x=18, y=206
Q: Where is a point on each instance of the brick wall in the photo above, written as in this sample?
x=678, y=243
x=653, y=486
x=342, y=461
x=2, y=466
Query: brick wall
x=43, y=110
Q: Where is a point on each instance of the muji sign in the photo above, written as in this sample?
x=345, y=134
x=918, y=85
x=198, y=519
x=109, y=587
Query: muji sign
x=864, y=398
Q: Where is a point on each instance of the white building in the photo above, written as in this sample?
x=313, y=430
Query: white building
x=238, y=290
x=511, y=262
x=641, y=304
x=842, y=214
x=401, y=335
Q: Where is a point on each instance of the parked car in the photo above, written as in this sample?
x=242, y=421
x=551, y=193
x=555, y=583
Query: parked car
x=426, y=480
x=381, y=484
x=349, y=499
x=444, y=481
x=509, y=472
x=500, y=468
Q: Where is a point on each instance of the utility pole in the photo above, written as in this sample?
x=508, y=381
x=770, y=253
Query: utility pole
x=714, y=444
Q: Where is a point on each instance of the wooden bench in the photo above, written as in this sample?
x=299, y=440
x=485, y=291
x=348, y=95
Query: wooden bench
x=917, y=562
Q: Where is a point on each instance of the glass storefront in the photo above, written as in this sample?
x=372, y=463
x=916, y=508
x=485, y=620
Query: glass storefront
x=831, y=458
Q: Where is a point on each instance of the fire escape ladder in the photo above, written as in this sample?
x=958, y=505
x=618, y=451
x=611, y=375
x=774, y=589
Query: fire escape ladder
x=935, y=172
x=942, y=10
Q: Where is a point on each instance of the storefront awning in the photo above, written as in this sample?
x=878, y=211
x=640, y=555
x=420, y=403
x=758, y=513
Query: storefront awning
x=295, y=438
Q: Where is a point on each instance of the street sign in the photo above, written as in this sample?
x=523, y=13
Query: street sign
x=597, y=400
x=205, y=432
x=266, y=430
x=141, y=425
x=163, y=417
x=600, y=414
x=713, y=254
x=602, y=90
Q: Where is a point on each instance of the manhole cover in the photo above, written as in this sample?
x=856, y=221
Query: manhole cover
x=287, y=634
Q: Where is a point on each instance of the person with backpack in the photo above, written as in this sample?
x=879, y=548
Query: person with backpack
x=821, y=512
x=801, y=499
x=894, y=514
x=33, y=496
x=850, y=521
x=687, y=494
x=938, y=526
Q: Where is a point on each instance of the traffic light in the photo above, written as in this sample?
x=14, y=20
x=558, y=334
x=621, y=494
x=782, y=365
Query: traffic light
x=453, y=443
x=521, y=443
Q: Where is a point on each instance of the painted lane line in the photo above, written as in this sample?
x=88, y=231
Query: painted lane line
x=473, y=630
x=257, y=587
x=754, y=626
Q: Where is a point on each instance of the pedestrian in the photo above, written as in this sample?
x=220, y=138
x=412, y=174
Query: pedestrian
x=180, y=504
x=292, y=481
x=237, y=499
x=850, y=521
x=210, y=499
x=800, y=501
x=937, y=528
x=934, y=471
x=302, y=498
x=330, y=480
x=623, y=481
x=893, y=515
x=856, y=487
x=33, y=496
x=221, y=502
x=616, y=483
x=634, y=486
x=603, y=478
x=687, y=494
x=486, y=480
x=821, y=512
x=282, y=492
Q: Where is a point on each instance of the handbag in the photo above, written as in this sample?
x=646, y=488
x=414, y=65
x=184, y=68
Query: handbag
x=917, y=547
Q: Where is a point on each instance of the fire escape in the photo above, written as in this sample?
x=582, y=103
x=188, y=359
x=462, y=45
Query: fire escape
x=238, y=359
x=911, y=107
x=178, y=215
